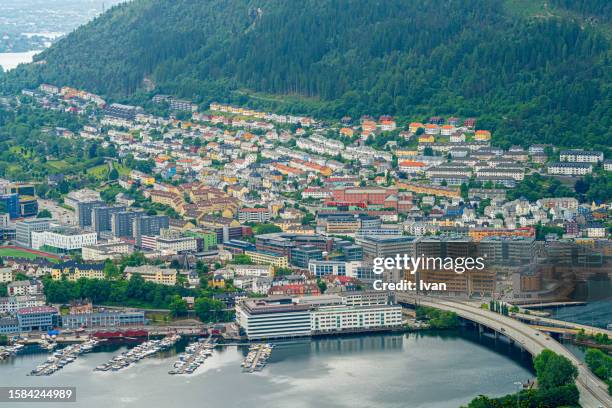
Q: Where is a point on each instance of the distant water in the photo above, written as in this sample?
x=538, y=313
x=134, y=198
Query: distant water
x=430, y=370
x=597, y=313
x=10, y=60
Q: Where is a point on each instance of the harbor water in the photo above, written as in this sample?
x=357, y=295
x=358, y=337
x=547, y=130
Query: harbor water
x=445, y=369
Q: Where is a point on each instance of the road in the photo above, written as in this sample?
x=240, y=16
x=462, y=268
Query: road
x=593, y=391
x=546, y=321
x=64, y=216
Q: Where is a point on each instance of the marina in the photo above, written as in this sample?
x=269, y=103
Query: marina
x=257, y=357
x=144, y=350
x=194, y=356
x=8, y=351
x=63, y=357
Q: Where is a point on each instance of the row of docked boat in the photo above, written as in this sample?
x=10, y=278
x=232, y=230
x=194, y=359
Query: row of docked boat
x=7, y=351
x=257, y=357
x=143, y=350
x=63, y=357
x=193, y=357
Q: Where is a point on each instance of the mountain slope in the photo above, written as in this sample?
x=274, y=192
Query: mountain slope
x=542, y=78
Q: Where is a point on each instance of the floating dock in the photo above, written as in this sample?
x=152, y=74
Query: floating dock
x=63, y=357
x=194, y=356
x=257, y=358
x=132, y=356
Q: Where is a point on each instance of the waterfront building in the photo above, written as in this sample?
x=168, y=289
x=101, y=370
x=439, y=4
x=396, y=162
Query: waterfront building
x=273, y=318
x=282, y=317
x=507, y=250
x=37, y=318
x=9, y=325
x=342, y=319
x=11, y=304
x=103, y=319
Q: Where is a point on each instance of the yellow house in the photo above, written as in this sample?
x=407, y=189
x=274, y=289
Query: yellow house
x=152, y=273
x=230, y=180
x=268, y=258
x=482, y=135
x=414, y=126
x=217, y=282
x=74, y=271
x=426, y=139
x=348, y=132
x=227, y=213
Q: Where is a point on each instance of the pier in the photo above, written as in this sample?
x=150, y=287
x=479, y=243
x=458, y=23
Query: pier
x=194, y=356
x=551, y=305
x=257, y=358
x=146, y=349
x=63, y=357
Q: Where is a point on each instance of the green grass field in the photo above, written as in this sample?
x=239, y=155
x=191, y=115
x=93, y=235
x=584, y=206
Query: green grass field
x=100, y=172
x=58, y=165
x=17, y=253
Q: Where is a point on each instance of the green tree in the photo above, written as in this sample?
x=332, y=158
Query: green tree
x=178, y=306
x=113, y=174
x=209, y=310
x=44, y=214
x=554, y=370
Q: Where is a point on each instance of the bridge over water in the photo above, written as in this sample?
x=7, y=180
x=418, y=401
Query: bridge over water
x=593, y=391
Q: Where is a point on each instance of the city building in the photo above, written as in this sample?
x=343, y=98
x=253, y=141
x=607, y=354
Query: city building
x=101, y=252
x=107, y=319
x=11, y=304
x=62, y=240
x=581, y=156
x=73, y=271
x=10, y=202
x=37, y=318
x=150, y=225
x=268, y=258
x=25, y=288
x=24, y=229
x=285, y=317
x=386, y=246
x=302, y=255
x=570, y=169
x=257, y=215
x=152, y=273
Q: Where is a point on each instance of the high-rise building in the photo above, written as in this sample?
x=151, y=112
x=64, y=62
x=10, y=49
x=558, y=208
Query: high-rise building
x=386, y=246
x=10, y=203
x=302, y=255
x=149, y=225
x=84, y=211
x=122, y=223
x=101, y=217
